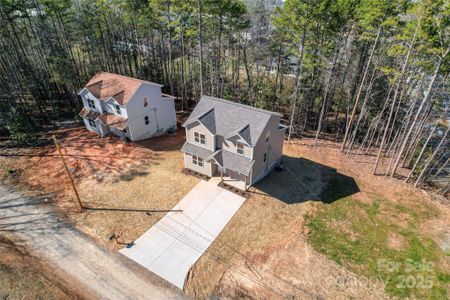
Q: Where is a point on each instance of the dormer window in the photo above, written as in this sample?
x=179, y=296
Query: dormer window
x=145, y=101
x=199, y=138
x=240, y=148
x=117, y=109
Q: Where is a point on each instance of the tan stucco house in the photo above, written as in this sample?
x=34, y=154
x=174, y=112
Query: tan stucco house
x=229, y=139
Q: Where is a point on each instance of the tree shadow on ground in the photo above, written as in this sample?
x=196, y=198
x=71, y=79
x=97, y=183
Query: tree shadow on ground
x=87, y=155
x=305, y=180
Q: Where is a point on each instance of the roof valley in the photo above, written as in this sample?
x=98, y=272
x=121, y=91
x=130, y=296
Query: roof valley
x=225, y=118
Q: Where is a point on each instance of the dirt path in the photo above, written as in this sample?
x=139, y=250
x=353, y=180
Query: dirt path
x=86, y=269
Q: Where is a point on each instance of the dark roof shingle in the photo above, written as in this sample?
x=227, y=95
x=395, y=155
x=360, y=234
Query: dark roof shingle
x=196, y=150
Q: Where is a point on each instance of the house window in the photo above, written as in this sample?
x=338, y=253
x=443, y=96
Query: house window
x=124, y=130
x=267, y=136
x=117, y=109
x=240, y=148
x=91, y=103
x=145, y=101
x=199, y=138
x=197, y=161
x=265, y=157
x=146, y=120
x=92, y=123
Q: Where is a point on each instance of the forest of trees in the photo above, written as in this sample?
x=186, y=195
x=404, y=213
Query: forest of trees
x=369, y=74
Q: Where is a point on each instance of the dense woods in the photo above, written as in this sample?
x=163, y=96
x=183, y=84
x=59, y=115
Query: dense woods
x=370, y=74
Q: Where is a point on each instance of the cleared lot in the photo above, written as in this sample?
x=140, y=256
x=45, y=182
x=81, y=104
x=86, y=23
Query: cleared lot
x=177, y=241
x=269, y=248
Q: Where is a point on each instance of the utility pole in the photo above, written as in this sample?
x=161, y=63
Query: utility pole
x=80, y=205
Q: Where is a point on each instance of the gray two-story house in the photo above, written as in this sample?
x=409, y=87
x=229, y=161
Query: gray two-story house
x=225, y=138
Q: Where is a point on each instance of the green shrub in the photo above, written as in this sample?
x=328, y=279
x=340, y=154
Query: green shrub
x=20, y=130
x=7, y=171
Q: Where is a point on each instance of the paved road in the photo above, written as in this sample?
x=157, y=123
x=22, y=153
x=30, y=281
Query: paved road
x=90, y=271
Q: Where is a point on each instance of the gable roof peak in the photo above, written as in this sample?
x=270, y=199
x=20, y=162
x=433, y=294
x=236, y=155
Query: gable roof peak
x=223, y=117
x=244, y=106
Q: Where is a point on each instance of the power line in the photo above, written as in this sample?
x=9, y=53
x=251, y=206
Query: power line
x=194, y=245
x=240, y=254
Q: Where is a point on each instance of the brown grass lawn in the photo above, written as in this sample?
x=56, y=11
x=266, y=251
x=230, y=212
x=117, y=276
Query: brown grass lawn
x=154, y=185
x=272, y=247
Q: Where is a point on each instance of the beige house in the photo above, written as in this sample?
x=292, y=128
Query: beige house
x=235, y=141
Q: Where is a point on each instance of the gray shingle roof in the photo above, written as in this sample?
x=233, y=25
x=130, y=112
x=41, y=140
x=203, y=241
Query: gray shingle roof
x=196, y=150
x=224, y=117
x=209, y=120
x=236, y=162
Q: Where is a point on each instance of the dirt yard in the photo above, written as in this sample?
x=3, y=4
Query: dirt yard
x=20, y=278
x=300, y=234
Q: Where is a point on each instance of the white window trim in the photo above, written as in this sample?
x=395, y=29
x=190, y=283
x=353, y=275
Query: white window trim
x=197, y=161
x=91, y=103
x=239, y=147
x=92, y=123
x=199, y=138
x=117, y=109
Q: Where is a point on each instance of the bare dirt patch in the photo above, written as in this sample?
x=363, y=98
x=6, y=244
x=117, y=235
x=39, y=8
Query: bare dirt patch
x=264, y=251
x=396, y=241
x=20, y=277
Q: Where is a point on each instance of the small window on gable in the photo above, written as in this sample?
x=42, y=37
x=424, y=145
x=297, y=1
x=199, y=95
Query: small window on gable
x=91, y=103
x=199, y=138
x=92, y=123
x=240, y=148
x=146, y=120
x=265, y=157
x=117, y=109
x=145, y=101
x=267, y=136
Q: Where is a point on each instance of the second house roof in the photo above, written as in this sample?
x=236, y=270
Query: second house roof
x=105, y=85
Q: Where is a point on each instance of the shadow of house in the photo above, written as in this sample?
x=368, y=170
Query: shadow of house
x=167, y=142
x=305, y=180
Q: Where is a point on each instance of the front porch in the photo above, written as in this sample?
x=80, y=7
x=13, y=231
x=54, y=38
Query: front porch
x=230, y=178
x=233, y=182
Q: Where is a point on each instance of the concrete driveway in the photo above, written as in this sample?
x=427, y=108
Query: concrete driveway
x=173, y=245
